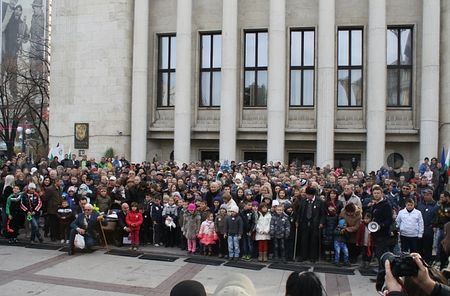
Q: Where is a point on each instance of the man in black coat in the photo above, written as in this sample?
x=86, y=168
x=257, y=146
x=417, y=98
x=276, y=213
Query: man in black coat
x=311, y=219
x=382, y=214
x=122, y=229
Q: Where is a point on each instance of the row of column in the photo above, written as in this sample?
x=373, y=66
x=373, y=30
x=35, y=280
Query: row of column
x=376, y=89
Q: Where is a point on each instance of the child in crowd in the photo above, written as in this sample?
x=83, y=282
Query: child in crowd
x=364, y=240
x=220, y=230
x=65, y=217
x=14, y=215
x=134, y=221
x=262, y=231
x=170, y=216
x=147, y=227
x=291, y=238
x=279, y=232
x=182, y=209
x=103, y=201
x=410, y=224
x=233, y=232
x=216, y=206
x=191, y=226
x=156, y=216
x=208, y=235
x=249, y=220
x=340, y=239
x=282, y=198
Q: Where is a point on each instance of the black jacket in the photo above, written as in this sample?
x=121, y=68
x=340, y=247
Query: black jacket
x=382, y=214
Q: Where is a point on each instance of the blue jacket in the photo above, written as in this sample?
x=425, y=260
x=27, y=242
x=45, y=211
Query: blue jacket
x=428, y=210
x=91, y=227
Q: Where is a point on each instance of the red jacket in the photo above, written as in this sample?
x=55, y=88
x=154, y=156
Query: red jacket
x=134, y=218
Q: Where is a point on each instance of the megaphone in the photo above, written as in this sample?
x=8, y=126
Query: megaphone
x=373, y=226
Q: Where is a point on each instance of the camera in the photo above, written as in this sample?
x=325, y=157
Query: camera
x=401, y=265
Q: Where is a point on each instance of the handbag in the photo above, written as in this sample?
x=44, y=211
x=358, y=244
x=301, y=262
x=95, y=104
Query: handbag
x=79, y=241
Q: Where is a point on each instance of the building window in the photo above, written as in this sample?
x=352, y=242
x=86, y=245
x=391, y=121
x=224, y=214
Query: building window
x=255, y=69
x=302, y=68
x=399, y=66
x=210, y=76
x=350, y=68
x=166, y=70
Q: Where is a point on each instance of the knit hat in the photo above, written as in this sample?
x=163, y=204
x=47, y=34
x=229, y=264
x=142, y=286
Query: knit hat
x=234, y=209
x=217, y=198
x=72, y=188
x=275, y=203
x=188, y=288
x=255, y=203
x=235, y=284
x=223, y=206
x=33, y=170
x=191, y=207
x=248, y=192
x=31, y=186
x=341, y=222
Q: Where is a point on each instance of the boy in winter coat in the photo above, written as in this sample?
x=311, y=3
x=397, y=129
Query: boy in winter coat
x=146, y=235
x=170, y=215
x=157, y=218
x=410, y=222
x=249, y=219
x=191, y=227
x=65, y=217
x=340, y=239
x=279, y=232
x=233, y=232
x=14, y=215
x=219, y=224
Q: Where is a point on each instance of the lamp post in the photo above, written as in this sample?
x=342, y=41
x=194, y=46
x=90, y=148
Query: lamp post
x=23, y=134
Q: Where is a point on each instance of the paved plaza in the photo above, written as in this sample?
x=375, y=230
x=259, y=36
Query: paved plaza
x=28, y=271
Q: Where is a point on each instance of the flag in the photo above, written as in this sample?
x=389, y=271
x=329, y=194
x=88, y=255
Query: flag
x=447, y=162
x=442, y=160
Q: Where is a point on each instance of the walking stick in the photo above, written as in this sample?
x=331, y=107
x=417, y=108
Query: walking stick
x=295, y=242
x=104, y=237
x=320, y=243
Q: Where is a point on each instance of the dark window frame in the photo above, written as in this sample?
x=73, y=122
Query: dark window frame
x=400, y=67
x=170, y=71
x=209, y=70
x=302, y=67
x=350, y=67
x=254, y=69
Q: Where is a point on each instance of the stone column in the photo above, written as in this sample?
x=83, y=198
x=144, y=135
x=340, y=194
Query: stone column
x=228, y=95
x=140, y=79
x=276, y=100
x=376, y=86
x=429, y=95
x=183, y=106
x=326, y=99
x=444, y=116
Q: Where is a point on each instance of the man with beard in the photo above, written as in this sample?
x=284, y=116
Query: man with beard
x=311, y=219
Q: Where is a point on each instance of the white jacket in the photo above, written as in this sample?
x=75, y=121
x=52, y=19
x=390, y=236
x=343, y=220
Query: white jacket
x=410, y=223
x=263, y=227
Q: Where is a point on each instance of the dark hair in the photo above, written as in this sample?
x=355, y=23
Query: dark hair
x=446, y=193
x=134, y=204
x=409, y=200
x=304, y=283
x=350, y=207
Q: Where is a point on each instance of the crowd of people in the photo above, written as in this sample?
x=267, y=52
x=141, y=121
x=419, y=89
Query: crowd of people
x=239, y=211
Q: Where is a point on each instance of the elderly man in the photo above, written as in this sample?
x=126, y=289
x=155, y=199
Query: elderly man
x=349, y=197
x=122, y=229
x=85, y=224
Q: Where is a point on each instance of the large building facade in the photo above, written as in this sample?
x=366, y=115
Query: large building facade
x=317, y=81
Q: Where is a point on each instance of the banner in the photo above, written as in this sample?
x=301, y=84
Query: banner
x=81, y=135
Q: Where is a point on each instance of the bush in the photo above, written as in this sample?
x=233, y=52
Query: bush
x=109, y=153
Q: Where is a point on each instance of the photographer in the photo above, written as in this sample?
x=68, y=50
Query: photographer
x=427, y=282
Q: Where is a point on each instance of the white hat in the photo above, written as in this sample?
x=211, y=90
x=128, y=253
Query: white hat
x=112, y=178
x=275, y=203
x=234, y=209
x=31, y=186
x=235, y=284
x=33, y=170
